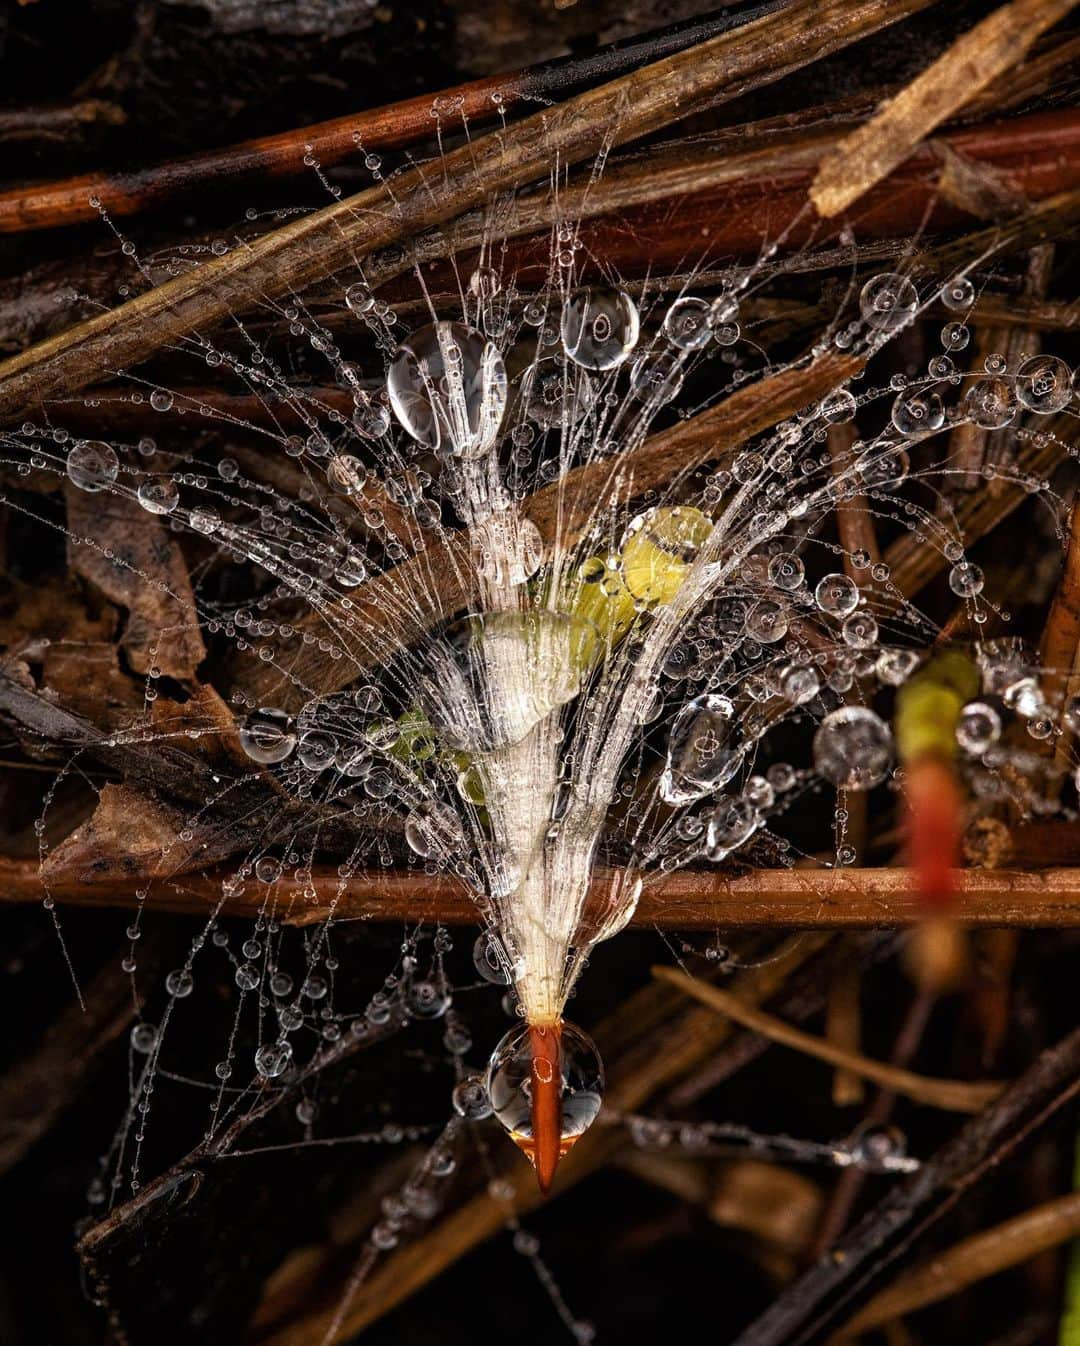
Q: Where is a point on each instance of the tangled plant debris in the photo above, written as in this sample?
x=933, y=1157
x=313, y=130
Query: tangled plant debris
x=536, y=525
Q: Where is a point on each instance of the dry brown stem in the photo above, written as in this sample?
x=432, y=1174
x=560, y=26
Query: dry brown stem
x=821, y=899
x=951, y=1095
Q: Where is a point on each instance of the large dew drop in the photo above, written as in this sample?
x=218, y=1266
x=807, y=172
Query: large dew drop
x=853, y=748
x=159, y=495
x=92, y=465
x=517, y=1071
x=447, y=386
x=888, y=302
x=1043, y=384
x=700, y=757
x=268, y=736
x=599, y=328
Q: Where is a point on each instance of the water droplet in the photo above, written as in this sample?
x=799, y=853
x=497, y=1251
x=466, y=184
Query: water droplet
x=837, y=595
x=268, y=735
x=991, y=403
x=92, y=466
x=1043, y=384
x=700, y=755
x=359, y=298
x=656, y=378
x=966, y=580
x=958, y=294
x=599, y=328
x=838, y=407
x=159, y=495
x=144, y=1038
x=180, y=983
x=888, y=302
x=853, y=748
x=955, y=336
x=732, y=825
x=687, y=323
x=491, y=959
x=273, y=1059
x=447, y=386
x=346, y=474
x=512, y=1070
x=978, y=728
x=918, y=412
x=427, y=999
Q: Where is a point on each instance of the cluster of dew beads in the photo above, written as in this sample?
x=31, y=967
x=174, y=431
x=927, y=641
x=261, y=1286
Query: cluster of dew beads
x=544, y=667
x=515, y=1071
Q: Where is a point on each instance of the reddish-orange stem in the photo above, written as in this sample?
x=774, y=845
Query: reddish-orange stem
x=546, y=1102
x=933, y=801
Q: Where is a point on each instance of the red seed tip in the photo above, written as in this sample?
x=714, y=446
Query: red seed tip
x=547, y=1147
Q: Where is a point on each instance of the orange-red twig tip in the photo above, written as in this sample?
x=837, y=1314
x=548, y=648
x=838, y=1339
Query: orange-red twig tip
x=546, y=1102
x=933, y=808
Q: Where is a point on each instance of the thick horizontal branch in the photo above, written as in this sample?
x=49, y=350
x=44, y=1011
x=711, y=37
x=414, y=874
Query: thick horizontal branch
x=687, y=900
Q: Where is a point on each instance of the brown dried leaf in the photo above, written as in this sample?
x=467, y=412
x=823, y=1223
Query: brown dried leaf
x=50, y=609
x=86, y=678
x=137, y=565
x=130, y=835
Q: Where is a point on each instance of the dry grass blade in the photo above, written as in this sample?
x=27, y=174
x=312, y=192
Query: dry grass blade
x=1017, y=1240
x=969, y=65
x=812, y=1302
x=951, y=1095
x=314, y=247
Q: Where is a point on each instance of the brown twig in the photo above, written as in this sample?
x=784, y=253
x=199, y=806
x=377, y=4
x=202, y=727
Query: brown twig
x=850, y=1182
x=396, y=126
x=952, y=1095
x=848, y=899
x=802, y=998
x=811, y=1304
x=61, y=123
x=313, y=247
x=843, y=1028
